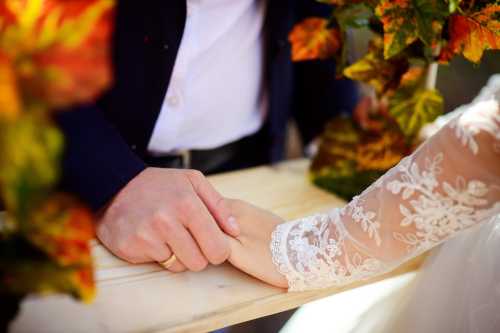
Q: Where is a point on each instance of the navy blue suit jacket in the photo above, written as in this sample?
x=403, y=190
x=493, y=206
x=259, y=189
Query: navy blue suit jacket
x=107, y=140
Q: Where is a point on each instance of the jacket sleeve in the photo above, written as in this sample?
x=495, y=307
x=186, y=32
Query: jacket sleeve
x=97, y=162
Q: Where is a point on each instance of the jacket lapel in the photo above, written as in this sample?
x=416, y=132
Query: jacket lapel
x=164, y=27
x=279, y=71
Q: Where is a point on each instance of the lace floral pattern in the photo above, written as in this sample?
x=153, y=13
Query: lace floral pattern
x=478, y=119
x=320, y=258
x=427, y=198
x=435, y=215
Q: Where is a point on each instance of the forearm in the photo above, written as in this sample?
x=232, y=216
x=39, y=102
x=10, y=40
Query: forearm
x=451, y=183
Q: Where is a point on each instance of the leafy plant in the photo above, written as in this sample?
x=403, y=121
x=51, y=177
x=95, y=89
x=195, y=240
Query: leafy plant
x=53, y=54
x=409, y=38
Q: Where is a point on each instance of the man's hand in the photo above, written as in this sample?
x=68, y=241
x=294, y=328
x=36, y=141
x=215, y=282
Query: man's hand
x=250, y=251
x=168, y=210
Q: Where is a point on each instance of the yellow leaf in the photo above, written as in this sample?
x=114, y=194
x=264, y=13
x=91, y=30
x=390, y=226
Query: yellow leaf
x=382, y=74
x=413, y=111
x=30, y=149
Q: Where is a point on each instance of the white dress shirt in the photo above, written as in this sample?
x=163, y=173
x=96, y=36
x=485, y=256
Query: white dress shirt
x=216, y=92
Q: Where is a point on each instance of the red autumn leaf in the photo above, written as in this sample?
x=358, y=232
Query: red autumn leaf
x=471, y=35
x=313, y=39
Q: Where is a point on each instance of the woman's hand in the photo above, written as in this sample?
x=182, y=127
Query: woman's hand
x=250, y=251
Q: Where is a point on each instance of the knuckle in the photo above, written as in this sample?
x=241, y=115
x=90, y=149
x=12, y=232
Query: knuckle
x=159, y=220
x=142, y=234
x=193, y=224
x=169, y=226
x=186, y=203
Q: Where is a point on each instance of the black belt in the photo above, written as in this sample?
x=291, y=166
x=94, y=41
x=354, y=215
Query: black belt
x=204, y=160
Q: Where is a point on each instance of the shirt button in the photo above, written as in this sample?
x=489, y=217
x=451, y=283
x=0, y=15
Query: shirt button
x=173, y=100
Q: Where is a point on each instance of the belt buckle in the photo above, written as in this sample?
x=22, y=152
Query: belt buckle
x=185, y=156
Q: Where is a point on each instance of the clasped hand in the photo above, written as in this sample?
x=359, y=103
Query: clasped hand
x=169, y=211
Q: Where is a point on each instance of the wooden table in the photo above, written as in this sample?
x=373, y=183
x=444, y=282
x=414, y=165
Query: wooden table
x=146, y=298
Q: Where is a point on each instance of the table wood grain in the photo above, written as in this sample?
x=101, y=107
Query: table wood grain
x=146, y=298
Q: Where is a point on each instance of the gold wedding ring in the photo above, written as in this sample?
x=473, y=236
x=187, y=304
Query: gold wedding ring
x=169, y=262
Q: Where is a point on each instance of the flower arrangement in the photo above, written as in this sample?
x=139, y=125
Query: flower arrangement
x=53, y=54
x=409, y=38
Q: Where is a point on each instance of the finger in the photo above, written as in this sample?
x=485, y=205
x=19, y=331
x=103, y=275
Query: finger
x=205, y=231
x=175, y=267
x=182, y=244
x=158, y=251
x=215, y=203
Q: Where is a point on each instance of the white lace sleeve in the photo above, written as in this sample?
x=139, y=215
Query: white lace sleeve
x=452, y=182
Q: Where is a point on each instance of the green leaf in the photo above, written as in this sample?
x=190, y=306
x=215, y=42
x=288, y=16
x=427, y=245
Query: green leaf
x=405, y=21
x=30, y=149
x=453, y=5
x=412, y=112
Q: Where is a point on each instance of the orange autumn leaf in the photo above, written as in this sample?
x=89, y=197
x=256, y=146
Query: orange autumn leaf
x=381, y=152
x=84, y=284
x=63, y=229
x=471, y=35
x=10, y=104
x=313, y=39
x=61, y=48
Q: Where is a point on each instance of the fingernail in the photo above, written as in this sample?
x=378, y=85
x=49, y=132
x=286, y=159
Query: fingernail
x=234, y=225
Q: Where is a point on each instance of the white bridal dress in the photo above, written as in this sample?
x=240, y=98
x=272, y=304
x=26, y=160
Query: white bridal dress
x=447, y=192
